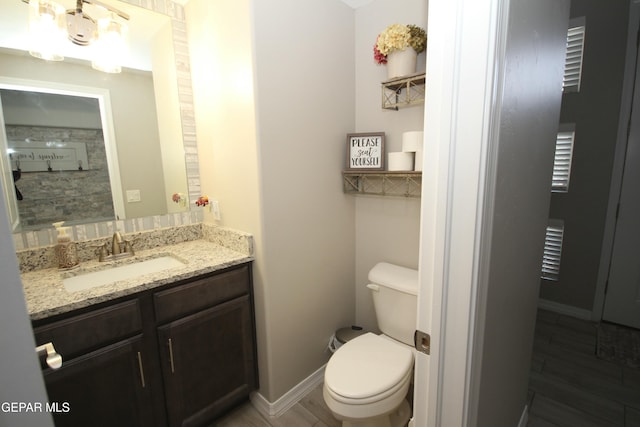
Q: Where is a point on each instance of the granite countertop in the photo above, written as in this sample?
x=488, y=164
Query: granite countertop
x=46, y=295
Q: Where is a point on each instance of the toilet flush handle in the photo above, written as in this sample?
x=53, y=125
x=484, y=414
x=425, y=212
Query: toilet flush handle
x=373, y=287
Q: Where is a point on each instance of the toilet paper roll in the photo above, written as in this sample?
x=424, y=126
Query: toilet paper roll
x=400, y=161
x=412, y=141
x=418, y=161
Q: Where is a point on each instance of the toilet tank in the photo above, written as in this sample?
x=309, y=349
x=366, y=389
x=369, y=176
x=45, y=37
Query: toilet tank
x=394, y=290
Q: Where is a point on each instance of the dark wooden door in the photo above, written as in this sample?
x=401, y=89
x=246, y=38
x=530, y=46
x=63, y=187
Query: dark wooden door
x=208, y=362
x=102, y=388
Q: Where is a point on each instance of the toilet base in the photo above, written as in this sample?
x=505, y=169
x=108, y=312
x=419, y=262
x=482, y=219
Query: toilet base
x=398, y=418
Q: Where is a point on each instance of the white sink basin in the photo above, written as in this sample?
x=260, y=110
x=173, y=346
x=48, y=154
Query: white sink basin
x=93, y=279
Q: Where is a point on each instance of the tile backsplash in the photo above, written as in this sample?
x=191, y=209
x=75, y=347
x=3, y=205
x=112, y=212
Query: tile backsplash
x=47, y=236
x=42, y=257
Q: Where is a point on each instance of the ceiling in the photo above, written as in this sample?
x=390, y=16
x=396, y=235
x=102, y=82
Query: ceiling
x=356, y=3
x=351, y=3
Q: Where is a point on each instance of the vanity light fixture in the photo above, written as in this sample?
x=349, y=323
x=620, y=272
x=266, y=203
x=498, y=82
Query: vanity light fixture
x=50, y=26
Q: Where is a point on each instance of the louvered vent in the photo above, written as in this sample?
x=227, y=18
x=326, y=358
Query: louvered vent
x=562, y=160
x=552, y=250
x=573, y=59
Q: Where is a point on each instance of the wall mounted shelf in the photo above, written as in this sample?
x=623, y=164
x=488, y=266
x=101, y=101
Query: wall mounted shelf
x=403, y=91
x=383, y=183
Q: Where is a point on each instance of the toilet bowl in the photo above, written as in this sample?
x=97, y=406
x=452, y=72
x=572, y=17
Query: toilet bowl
x=367, y=379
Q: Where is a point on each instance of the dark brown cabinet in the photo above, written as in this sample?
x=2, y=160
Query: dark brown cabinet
x=208, y=362
x=103, y=388
x=179, y=355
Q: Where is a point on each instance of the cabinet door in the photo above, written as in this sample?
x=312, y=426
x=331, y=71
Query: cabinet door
x=208, y=362
x=103, y=388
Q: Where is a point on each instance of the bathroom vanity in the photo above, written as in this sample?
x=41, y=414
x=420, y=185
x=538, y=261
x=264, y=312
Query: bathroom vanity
x=172, y=348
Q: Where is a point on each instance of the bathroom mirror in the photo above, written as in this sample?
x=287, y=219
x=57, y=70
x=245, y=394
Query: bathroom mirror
x=171, y=86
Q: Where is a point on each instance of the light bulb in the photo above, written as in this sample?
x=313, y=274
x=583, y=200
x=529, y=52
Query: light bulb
x=46, y=29
x=110, y=46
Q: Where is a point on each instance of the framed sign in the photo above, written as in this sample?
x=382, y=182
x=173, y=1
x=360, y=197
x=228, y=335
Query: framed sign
x=34, y=156
x=365, y=151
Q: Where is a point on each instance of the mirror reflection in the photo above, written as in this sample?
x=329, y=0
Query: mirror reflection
x=138, y=117
x=59, y=167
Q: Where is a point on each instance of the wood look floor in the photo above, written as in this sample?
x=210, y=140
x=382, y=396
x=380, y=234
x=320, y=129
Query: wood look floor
x=568, y=385
x=309, y=411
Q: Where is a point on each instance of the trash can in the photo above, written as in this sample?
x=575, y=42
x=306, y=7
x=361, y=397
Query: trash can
x=344, y=335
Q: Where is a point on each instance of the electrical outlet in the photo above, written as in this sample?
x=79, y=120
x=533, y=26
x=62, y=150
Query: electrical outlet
x=215, y=209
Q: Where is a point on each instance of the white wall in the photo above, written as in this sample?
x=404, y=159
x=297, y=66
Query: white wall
x=221, y=70
x=276, y=173
x=387, y=228
x=304, y=82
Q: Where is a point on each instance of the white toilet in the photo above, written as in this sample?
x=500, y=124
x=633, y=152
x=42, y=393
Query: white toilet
x=367, y=379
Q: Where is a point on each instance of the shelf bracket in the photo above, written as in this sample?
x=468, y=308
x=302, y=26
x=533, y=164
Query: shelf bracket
x=403, y=91
x=404, y=184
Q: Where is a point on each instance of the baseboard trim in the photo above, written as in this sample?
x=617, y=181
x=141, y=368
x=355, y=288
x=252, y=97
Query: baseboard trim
x=524, y=418
x=568, y=310
x=290, y=398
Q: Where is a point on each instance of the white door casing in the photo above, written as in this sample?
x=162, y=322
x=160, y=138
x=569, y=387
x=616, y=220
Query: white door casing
x=460, y=61
x=467, y=72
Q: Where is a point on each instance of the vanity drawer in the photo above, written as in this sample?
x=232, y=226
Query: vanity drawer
x=202, y=293
x=86, y=332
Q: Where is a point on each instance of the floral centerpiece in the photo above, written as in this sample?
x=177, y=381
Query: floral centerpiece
x=398, y=38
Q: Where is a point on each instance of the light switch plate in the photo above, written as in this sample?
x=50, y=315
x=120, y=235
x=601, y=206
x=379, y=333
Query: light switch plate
x=215, y=209
x=133, y=196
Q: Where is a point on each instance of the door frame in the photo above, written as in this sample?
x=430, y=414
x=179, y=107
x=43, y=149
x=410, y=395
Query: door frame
x=468, y=80
x=632, y=50
x=460, y=121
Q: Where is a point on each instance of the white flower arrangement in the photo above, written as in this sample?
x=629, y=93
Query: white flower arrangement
x=399, y=37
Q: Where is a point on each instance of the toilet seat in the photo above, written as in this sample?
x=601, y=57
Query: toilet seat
x=368, y=369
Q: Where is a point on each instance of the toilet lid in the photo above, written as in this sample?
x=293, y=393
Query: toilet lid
x=367, y=366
